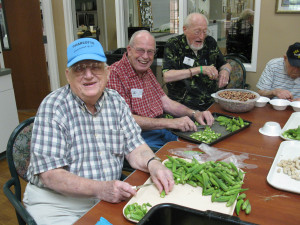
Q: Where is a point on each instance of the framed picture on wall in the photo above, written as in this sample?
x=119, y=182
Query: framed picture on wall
x=287, y=6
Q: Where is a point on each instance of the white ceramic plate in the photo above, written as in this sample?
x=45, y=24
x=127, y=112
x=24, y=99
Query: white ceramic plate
x=184, y=195
x=287, y=150
x=292, y=123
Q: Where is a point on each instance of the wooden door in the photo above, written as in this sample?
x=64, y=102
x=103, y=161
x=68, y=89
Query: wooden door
x=26, y=58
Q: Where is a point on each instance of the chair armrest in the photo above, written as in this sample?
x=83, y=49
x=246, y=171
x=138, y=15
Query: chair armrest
x=19, y=207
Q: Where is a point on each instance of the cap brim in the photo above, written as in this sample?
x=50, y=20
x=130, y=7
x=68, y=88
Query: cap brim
x=294, y=62
x=86, y=57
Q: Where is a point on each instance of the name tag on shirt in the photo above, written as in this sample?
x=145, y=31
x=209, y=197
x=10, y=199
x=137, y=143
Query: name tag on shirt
x=137, y=93
x=188, y=61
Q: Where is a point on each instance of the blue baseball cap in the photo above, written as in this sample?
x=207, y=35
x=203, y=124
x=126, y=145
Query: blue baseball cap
x=84, y=49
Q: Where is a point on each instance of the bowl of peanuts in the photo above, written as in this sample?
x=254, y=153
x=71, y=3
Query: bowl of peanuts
x=237, y=100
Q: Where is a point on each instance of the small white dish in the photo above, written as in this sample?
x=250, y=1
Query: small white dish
x=271, y=128
x=262, y=101
x=279, y=104
x=296, y=106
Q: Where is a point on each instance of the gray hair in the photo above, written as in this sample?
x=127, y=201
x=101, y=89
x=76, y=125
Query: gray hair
x=132, y=39
x=188, y=19
x=246, y=14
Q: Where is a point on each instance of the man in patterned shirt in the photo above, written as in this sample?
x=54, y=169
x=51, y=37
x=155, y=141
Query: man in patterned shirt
x=193, y=65
x=136, y=83
x=81, y=134
x=281, y=77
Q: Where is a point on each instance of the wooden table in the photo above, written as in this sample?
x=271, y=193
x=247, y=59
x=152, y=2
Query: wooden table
x=269, y=205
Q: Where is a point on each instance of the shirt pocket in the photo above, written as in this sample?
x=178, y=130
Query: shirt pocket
x=114, y=141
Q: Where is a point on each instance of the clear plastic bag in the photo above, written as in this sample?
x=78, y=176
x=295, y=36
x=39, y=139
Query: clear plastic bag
x=213, y=154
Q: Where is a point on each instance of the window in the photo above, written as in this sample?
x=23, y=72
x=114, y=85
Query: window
x=165, y=19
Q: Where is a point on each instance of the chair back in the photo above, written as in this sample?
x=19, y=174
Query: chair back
x=18, y=157
x=238, y=73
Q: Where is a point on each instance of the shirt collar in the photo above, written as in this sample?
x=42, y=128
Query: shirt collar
x=82, y=104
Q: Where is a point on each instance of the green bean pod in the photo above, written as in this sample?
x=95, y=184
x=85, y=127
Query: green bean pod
x=248, y=209
x=238, y=206
x=245, y=204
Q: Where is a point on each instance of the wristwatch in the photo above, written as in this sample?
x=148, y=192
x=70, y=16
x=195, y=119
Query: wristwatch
x=228, y=70
x=193, y=114
x=153, y=158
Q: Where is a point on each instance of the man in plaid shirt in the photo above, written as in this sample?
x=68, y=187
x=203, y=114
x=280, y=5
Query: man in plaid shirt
x=135, y=82
x=81, y=135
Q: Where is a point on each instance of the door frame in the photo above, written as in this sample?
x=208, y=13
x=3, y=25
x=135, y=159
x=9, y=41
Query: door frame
x=69, y=15
x=51, y=53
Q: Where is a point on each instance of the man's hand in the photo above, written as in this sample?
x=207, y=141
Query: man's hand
x=283, y=94
x=182, y=124
x=161, y=176
x=223, y=78
x=296, y=99
x=201, y=117
x=211, y=72
x=115, y=191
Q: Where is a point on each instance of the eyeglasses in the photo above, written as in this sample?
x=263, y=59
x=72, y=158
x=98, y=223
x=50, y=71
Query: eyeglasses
x=198, y=32
x=142, y=51
x=95, y=67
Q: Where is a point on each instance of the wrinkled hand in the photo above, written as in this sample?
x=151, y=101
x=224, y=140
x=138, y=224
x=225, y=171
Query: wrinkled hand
x=161, y=176
x=201, y=117
x=211, y=72
x=223, y=78
x=183, y=124
x=283, y=94
x=115, y=191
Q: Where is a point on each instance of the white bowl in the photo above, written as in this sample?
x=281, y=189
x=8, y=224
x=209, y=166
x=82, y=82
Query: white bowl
x=296, y=106
x=262, y=101
x=279, y=104
x=271, y=129
x=214, y=96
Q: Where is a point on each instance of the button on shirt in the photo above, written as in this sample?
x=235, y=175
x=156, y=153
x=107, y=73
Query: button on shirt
x=275, y=76
x=125, y=80
x=66, y=135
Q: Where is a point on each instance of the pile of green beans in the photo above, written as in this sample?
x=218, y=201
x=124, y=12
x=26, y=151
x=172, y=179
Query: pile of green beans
x=292, y=133
x=206, y=136
x=231, y=124
x=223, y=181
x=135, y=211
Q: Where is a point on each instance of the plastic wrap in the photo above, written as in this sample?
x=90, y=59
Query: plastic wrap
x=212, y=154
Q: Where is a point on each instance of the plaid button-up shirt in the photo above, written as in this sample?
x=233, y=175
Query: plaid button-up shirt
x=66, y=135
x=125, y=80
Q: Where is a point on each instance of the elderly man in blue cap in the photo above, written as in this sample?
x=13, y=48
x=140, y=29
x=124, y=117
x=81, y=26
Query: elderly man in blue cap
x=281, y=76
x=81, y=134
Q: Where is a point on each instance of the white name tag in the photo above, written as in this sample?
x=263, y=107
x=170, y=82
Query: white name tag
x=188, y=61
x=137, y=93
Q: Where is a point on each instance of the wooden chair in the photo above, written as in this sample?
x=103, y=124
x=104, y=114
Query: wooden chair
x=18, y=157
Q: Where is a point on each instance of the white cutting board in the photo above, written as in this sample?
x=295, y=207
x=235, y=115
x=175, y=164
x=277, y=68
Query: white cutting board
x=184, y=195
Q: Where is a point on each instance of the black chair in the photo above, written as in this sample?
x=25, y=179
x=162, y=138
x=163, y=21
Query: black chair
x=18, y=157
x=241, y=57
x=238, y=73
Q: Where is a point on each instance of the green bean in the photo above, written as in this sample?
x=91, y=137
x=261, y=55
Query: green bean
x=245, y=204
x=135, y=211
x=242, y=196
x=248, y=208
x=192, y=183
x=233, y=191
x=223, y=198
x=231, y=200
x=238, y=206
x=163, y=194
